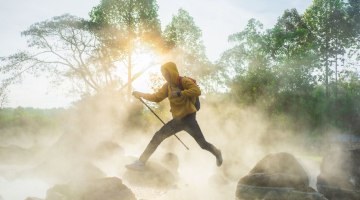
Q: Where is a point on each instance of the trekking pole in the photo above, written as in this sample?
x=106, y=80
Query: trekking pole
x=162, y=121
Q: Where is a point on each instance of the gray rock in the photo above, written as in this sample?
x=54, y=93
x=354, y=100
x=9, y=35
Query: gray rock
x=339, y=176
x=246, y=192
x=334, y=193
x=100, y=189
x=33, y=198
x=281, y=163
x=277, y=177
x=155, y=175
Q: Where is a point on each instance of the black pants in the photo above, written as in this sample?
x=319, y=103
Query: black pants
x=188, y=124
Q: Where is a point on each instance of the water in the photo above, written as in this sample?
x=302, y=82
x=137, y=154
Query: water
x=21, y=189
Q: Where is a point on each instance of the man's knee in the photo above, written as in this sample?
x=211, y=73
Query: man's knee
x=157, y=138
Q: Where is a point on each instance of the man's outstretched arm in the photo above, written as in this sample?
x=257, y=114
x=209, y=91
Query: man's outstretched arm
x=155, y=97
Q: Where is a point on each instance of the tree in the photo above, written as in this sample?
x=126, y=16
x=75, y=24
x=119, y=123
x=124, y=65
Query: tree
x=186, y=46
x=290, y=44
x=247, y=65
x=137, y=23
x=329, y=21
x=66, y=48
x=4, y=100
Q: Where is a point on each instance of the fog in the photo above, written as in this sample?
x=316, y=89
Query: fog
x=243, y=135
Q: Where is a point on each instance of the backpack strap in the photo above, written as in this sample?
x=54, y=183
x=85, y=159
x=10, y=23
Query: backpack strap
x=179, y=83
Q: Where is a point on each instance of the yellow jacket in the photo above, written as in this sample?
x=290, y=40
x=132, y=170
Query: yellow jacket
x=180, y=106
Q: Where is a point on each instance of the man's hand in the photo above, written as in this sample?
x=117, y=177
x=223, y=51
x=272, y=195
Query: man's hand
x=137, y=94
x=175, y=94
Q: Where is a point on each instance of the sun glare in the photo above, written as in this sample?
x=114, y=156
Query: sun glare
x=145, y=65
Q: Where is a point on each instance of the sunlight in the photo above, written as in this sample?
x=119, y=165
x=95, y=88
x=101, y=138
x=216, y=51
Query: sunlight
x=144, y=63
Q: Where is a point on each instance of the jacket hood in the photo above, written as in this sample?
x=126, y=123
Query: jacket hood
x=173, y=71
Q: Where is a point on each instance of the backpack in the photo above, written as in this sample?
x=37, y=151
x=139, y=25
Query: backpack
x=197, y=101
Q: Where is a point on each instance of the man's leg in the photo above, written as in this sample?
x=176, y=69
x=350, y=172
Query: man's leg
x=192, y=127
x=166, y=131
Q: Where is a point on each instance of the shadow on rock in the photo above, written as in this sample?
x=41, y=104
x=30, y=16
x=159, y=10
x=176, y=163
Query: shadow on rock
x=340, y=175
x=155, y=176
x=277, y=177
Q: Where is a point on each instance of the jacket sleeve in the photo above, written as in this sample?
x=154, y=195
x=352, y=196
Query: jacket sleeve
x=190, y=88
x=158, y=96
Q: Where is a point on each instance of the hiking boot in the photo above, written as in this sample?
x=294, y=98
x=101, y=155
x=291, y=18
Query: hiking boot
x=137, y=165
x=219, y=159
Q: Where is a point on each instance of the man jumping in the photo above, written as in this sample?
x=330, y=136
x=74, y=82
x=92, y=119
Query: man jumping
x=183, y=111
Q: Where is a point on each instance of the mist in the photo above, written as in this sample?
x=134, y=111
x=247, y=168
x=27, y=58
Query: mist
x=280, y=103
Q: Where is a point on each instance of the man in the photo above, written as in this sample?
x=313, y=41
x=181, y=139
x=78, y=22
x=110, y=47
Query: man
x=183, y=111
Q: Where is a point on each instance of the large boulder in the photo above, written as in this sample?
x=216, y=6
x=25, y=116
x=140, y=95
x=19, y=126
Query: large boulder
x=340, y=175
x=277, y=177
x=281, y=163
x=273, y=180
x=154, y=176
x=110, y=188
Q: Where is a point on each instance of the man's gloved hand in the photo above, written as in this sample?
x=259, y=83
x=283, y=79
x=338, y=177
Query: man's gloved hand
x=176, y=93
x=137, y=94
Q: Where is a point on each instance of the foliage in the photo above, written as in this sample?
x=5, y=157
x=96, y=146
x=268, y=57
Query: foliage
x=187, y=48
x=67, y=49
x=135, y=27
x=30, y=124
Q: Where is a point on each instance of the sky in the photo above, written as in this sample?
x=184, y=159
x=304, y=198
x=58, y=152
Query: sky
x=216, y=18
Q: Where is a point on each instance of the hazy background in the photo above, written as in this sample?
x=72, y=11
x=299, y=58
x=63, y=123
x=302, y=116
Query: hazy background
x=217, y=19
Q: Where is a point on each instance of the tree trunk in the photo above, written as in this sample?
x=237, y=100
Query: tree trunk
x=336, y=91
x=129, y=77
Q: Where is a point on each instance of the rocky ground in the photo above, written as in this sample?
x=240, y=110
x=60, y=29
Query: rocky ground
x=168, y=177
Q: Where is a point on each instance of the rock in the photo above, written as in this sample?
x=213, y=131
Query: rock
x=1, y=198
x=277, y=177
x=33, y=198
x=341, y=169
x=339, y=176
x=247, y=192
x=272, y=180
x=283, y=163
x=333, y=193
x=155, y=175
x=217, y=181
x=170, y=161
x=108, y=149
x=110, y=188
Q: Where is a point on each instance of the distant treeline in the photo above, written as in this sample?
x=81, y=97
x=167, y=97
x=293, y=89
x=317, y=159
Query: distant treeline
x=29, y=123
